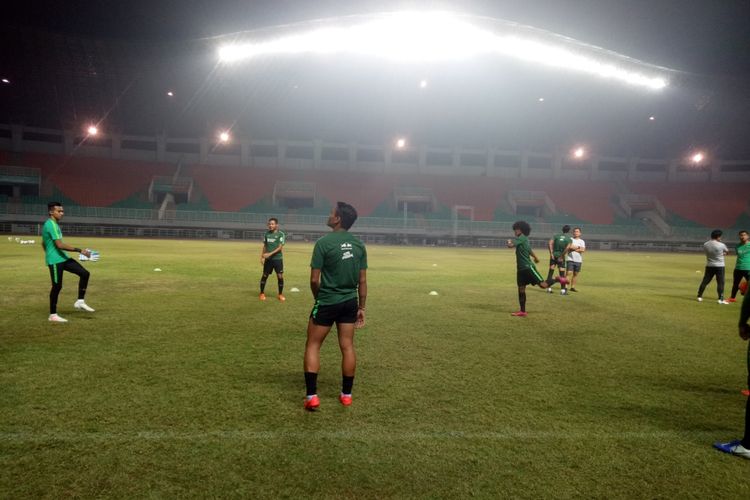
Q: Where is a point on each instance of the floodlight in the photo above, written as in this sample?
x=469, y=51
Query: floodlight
x=579, y=153
x=170, y=93
x=5, y=80
x=400, y=143
x=697, y=157
x=541, y=99
x=651, y=118
x=423, y=84
x=224, y=136
x=444, y=36
x=92, y=130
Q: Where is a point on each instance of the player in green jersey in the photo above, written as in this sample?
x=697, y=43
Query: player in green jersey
x=58, y=261
x=526, y=271
x=741, y=447
x=559, y=246
x=338, y=280
x=271, y=257
x=742, y=267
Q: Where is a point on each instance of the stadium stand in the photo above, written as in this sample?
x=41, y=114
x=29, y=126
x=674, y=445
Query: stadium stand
x=704, y=204
x=96, y=182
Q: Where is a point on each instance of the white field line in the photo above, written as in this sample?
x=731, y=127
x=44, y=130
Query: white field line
x=253, y=435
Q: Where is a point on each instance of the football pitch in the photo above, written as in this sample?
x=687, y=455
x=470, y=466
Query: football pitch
x=184, y=384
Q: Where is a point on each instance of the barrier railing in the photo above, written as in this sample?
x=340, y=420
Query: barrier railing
x=413, y=225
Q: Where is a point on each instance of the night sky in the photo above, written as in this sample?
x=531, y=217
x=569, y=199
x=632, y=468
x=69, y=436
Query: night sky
x=703, y=36
x=150, y=47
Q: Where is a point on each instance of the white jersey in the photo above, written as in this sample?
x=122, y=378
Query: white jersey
x=574, y=256
x=715, y=251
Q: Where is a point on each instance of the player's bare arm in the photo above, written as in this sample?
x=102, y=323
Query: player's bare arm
x=315, y=282
x=64, y=246
x=362, y=291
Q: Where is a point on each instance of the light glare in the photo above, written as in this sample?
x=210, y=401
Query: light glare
x=92, y=130
x=429, y=37
x=224, y=136
x=400, y=143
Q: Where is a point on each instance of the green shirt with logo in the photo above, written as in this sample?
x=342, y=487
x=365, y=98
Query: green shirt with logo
x=743, y=257
x=51, y=232
x=273, y=240
x=340, y=256
x=559, y=243
x=523, y=253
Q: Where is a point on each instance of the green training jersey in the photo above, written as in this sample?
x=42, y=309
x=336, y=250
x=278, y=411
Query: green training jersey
x=523, y=253
x=743, y=257
x=340, y=256
x=273, y=240
x=559, y=243
x=51, y=232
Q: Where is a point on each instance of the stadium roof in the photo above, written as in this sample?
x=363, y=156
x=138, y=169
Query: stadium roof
x=115, y=62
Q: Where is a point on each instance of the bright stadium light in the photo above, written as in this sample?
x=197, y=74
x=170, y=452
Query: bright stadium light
x=442, y=36
x=541, y=99
x=92, y=130
x=5, y=80
x=697, y=158
x=579, y=153
x=224, y=136
x=170, y=93
x=651, y=118
x=423, y=84
x=400, y=143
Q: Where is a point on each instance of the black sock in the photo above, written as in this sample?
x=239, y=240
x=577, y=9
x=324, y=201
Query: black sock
x=263, y=284
x=549, y=275
x=281, y=286
x=522, y=300
x=311, y=383
x=346, y=384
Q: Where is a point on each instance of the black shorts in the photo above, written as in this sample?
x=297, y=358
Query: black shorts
x=343, y=312
x=574, y=266
x=558, y=262
x=271, y=265
x=528, y=276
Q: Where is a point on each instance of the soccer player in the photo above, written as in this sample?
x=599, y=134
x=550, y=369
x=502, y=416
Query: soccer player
x=715, y=251
x=741, y=447
x=742, y=266
x=58, y=261
x=559, y=246
x=271, y=257
x=526, y=271
x=575, y=259
x=338, y=280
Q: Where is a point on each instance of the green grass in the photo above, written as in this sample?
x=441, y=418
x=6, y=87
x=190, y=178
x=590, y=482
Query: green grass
x=183, y=384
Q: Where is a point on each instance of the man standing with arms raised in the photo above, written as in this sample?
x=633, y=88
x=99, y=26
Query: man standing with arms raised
x=338, y=280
